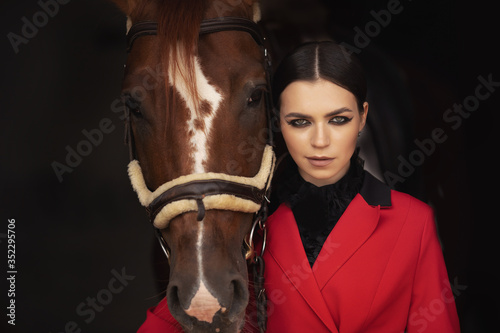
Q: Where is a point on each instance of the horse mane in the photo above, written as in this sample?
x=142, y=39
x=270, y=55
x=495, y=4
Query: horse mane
x=178, y=29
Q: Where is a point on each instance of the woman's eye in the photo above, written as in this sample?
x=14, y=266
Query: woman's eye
x=298, y=122
x=340, y=120
x=255, y=97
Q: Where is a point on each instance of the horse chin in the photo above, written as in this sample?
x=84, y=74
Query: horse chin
x=220, y=324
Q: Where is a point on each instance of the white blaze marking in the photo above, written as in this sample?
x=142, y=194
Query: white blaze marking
x=206, y=92
x=203, y=305
x=199, y=248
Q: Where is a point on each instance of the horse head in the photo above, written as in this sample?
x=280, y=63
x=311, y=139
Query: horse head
x=195, y=90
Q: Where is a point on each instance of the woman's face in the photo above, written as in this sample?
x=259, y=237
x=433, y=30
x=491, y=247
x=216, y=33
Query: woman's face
x=320, y=122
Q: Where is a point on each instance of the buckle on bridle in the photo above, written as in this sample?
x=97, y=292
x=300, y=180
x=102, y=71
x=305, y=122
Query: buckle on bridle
x=260, y=221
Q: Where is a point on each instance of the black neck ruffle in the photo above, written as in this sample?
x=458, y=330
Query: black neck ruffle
x=317, y=209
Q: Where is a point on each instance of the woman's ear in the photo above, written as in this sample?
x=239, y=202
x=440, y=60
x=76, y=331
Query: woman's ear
x=363, y=115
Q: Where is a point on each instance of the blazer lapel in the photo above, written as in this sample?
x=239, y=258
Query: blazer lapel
x=285, y=246
x=351, y=231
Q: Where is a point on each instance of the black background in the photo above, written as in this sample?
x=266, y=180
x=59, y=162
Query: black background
x=71, y=235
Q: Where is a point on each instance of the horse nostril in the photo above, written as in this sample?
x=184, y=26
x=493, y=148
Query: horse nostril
x=175, y=307
x=173, y=301
x=239, y=300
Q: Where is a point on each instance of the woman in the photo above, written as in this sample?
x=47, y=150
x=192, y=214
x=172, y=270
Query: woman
x=344, y=252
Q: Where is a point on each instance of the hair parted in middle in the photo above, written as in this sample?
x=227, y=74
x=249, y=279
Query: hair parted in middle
x=321, y=60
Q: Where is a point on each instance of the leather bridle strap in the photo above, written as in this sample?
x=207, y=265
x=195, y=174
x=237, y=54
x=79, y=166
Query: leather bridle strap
x=197, y=192
x=207, y=26
x=199, y=189
x=144, y=28
x=219, y=24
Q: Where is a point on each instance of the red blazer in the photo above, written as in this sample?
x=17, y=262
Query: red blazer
x=380, y=270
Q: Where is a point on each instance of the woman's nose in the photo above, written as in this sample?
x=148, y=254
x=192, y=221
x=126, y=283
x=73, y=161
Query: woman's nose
x=320, y=136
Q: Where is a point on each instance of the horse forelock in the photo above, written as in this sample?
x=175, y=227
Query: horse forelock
x=179, y=25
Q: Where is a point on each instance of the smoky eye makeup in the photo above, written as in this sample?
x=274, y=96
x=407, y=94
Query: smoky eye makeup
x=337, y=117
x=340, y=120
x=302, y=122
x=297, y=122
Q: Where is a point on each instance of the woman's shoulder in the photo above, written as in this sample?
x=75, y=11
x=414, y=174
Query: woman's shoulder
x=401, y=200
x=377, y=193
x=408, y=212
x=401, y=212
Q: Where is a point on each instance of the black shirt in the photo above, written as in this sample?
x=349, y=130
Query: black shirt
x=317, y=209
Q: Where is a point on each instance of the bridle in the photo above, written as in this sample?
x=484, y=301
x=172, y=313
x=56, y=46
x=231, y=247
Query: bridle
x=201, y=192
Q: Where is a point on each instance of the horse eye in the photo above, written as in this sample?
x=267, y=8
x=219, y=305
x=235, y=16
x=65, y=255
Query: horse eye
x=255, y=97
x=132, y=104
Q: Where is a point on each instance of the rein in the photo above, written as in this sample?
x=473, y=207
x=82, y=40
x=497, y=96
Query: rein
x=205, y=191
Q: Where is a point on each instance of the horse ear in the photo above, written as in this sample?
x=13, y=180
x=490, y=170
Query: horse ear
x=255, y=4
x=126, y=6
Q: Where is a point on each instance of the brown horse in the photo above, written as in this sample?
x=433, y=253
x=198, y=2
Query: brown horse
x=196, y=102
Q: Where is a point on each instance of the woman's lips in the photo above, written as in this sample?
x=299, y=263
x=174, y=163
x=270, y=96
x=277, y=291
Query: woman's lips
x=319, y=161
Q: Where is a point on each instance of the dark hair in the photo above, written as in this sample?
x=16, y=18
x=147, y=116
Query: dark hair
x=321, y=60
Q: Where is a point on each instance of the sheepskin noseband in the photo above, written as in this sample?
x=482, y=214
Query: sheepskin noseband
x=203, y=191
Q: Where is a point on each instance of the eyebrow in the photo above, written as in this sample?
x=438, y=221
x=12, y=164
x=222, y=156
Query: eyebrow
x=328, y=115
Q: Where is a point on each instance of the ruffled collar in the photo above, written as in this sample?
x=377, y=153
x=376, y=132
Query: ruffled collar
x=317, y=209
x=294, y=188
